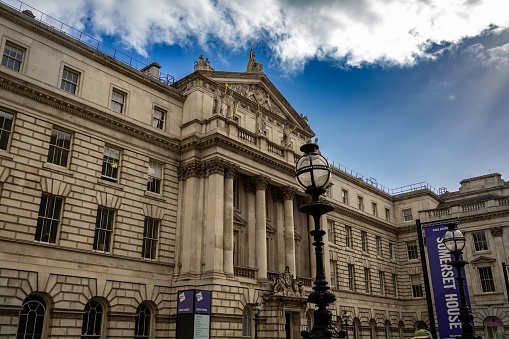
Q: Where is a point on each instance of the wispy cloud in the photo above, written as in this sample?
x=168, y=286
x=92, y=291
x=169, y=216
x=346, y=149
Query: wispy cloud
x=496, y=56
x=354, y=32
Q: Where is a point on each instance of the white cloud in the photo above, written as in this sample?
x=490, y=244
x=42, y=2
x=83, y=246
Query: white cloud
x=351, y=31
x=496, y=56
x=452, y=97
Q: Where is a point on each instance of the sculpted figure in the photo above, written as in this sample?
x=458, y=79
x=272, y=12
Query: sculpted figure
x=230, y=107
x=260, y=123
x=287, y=141
x=218, y=101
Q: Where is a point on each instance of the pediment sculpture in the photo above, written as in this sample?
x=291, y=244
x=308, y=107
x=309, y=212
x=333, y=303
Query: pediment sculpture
x=285, y=284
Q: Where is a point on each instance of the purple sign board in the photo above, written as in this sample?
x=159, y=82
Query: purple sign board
x=443, y=279
x=202, y=302
x=185, y=302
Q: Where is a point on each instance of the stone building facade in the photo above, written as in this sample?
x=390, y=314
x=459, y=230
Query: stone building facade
x=118, y=190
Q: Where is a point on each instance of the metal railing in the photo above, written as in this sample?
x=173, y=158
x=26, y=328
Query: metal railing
x=84, y=38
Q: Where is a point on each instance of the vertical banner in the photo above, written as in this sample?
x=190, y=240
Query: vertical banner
x=443, y=279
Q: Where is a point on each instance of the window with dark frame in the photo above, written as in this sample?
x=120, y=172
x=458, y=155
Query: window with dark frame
x=407, y=214
x=6, y=120
x=150, y=237
x=391, y=250
x=142, y=322
x=415, y=281
x=159, y=118
x=364, y=241
x=31, y=318
x=155, y=176
x=412, y=250
x=236, y=196
x=344, y=196
x=111, y=164
x=235, y=248
x=387, y=214
x=395, y=284
x=378, y=240
x=330, y=231
x=367, y=280
x=360, y=203
x=333, y=273
x=348, y=236
x=92, y=320
x=381, y=278
x=13, y=56
x=103, y=229
x=486, y=278
x=69, y=81
x=118, y=101
x=374, y=209
x=351, y=277
x=48, y=219
x=480, y=242
x=59, y=147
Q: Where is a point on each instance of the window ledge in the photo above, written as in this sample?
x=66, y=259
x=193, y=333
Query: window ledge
x=6, y=155
x=116, y=185
x=59, y=169
x=155, y=196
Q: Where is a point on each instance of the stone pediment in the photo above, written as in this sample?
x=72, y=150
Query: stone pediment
x=483, y=261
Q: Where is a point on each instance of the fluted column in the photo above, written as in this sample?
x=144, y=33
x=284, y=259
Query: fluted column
x=277, y=200
x=288, y=195
x=228, y=220
x=261, y=228
x=214, y=217
x=249, y=189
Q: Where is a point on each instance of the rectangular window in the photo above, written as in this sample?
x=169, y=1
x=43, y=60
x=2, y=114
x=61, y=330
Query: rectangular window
x=387, y=214
x=351, y=277
x=329, y=191
x=159, y=118
x=59, y=147
x=330, y=230
x=360, y=203
x=395, y=284
x=412, y=250
x=236, y=197
x=5, y=128
x=150, y=236
x=111, y=164
x=374, y=209
x=13, y=56
x=480, y=242
x=155, y=176
x=364, y=241
x=348, y=236
x=381, y=278
x=118, y=101
x=103, y=229
x=367, y=280
x=378, y=245
x=486, y=277
x=48, y=219
x=407, y=214
x=391, y=250
x=415, y=280
x=69, y=80
x=344, y=196
x=235, y=248
x=333, y=274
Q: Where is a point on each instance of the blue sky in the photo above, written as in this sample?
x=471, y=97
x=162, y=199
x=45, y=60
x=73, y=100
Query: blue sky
x=400, y=91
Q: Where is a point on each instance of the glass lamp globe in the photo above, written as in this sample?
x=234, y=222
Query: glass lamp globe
x=256, y=309
x=453, y=239
x=312, y=170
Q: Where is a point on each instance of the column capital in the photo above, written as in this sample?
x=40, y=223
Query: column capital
x=496, y=231
x=191, y=169
x=288, y=192
x=230, y=170
x=261, y=182
x=215, y=166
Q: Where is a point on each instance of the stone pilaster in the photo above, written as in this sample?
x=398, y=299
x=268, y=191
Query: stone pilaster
x=261, y=183
x=277, y=200
x=288, y=195
x=249, y=189
x=228, y=220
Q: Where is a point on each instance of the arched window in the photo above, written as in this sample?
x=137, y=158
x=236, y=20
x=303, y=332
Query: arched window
x=92, y=320
x=247, y=323
x=387, y=326
x=493, y=328
x=372, y=329
x=142, y=322
x=31, y=319
x=356, y=328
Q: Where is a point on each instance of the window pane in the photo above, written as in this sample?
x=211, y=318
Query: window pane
x=5, y=128
x=111, y=160
x=60, y=144
x=31, y=319
x=150, y=237
x=12, y=57
x=103, y=229
x=48, y=219
x=92, y=319
x=142, y=322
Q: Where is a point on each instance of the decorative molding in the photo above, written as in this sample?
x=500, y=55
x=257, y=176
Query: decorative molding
x=153, y=211
x=288, y=192
x=261, y=182
x=108, y=200
x=496, y=231
x=55, y=187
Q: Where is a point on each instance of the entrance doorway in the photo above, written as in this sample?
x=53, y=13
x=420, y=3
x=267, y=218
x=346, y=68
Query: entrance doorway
x=292, y=322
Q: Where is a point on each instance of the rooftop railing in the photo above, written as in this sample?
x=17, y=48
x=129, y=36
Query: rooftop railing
x=83, y=37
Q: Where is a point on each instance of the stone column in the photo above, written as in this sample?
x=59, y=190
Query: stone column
x=228, y=220
x=191, y=230
x=280, y=230
x=249, y=189
x=498, y=232
x=288, y=195
x=261, y=228
x=214, y=205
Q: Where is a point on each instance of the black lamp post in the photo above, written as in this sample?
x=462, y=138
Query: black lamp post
x=346, y=317
x=256, y=311
x=313, y=173
x=454, y=240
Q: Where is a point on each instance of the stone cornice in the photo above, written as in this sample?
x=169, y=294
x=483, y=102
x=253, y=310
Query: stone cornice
x=85, y=50
x=63, y=103
x=340, y=209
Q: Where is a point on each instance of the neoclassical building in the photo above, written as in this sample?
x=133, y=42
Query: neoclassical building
x=120, y=188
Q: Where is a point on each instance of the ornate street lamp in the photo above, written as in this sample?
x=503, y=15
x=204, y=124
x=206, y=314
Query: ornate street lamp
x=454, y=240
x=346, y=317
x=256, y=311
x=313, y=173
